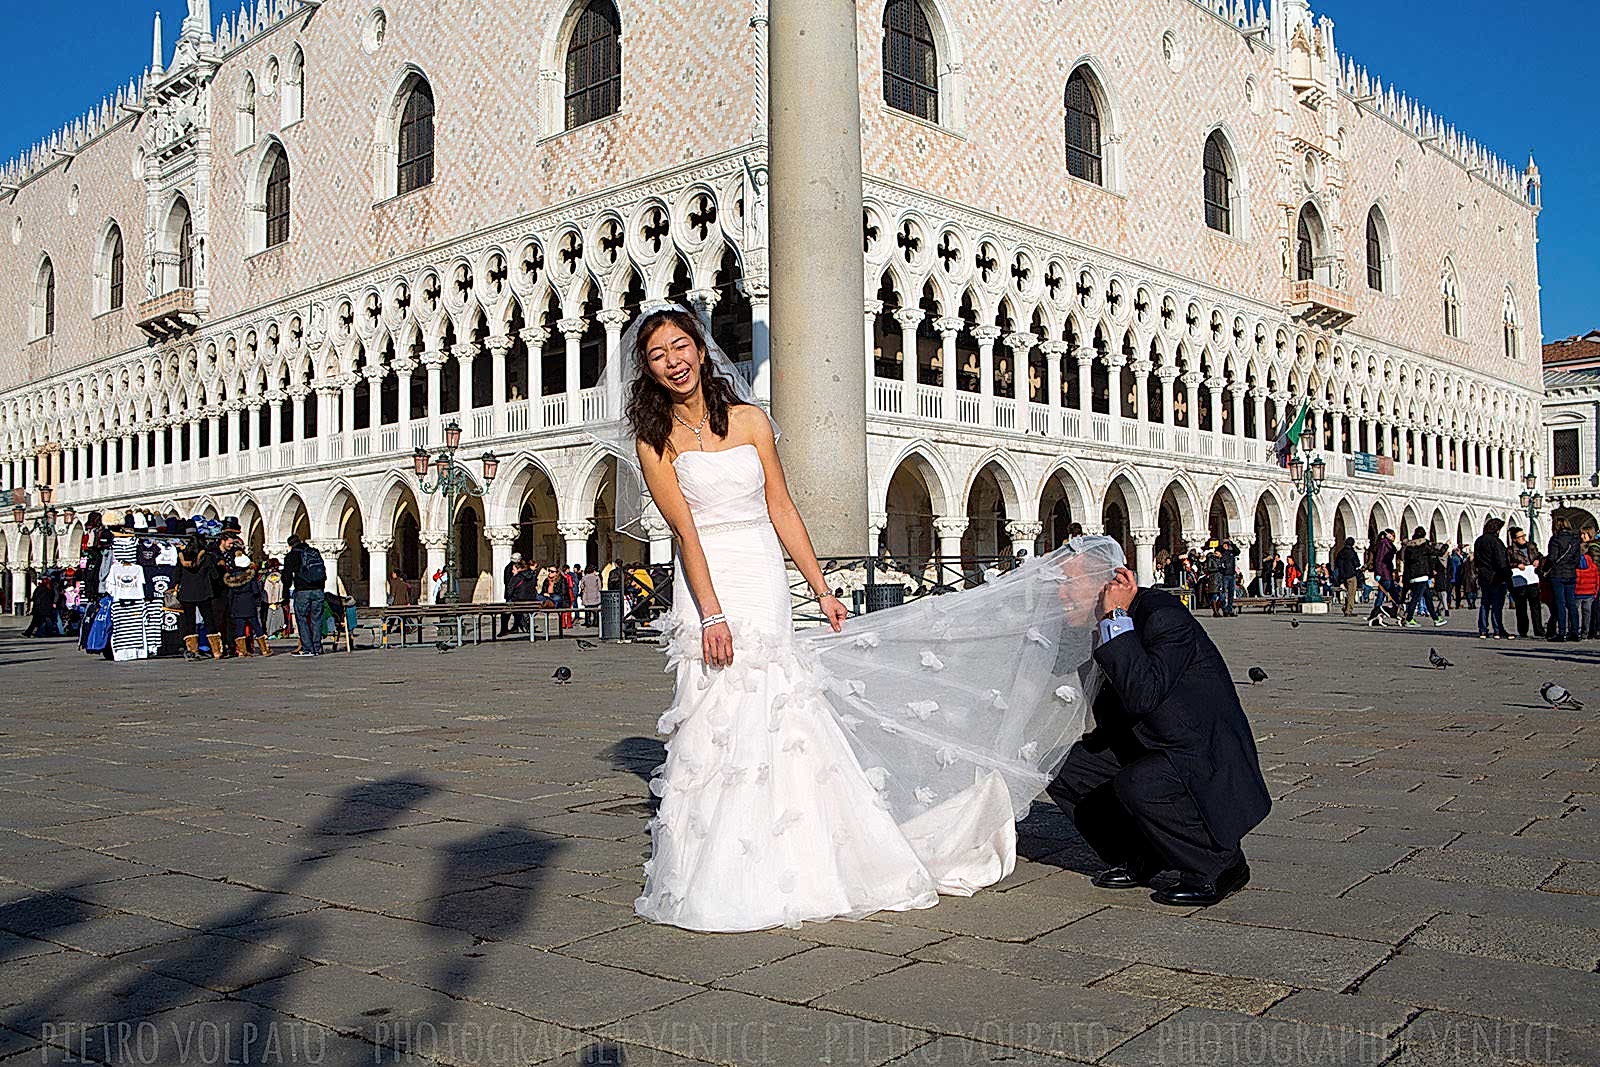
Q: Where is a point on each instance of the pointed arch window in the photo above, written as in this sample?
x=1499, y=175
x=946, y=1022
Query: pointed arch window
x=294, y=88
x=1452, y=301
x=415, y=147
x=245, y=126
x=594, y=65
x=45, y=300
x=278, y=199
x=1085, y=151
x=186, y=253
x=910, y=60
x=1374, y=252
x=1511, y=327
x=114, y=269
x=1305, y=255
x=1218, y=184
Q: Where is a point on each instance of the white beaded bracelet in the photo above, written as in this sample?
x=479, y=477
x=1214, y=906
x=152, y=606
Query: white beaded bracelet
x=711, y=620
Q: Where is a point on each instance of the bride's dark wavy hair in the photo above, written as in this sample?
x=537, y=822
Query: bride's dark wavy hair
x=649, y=406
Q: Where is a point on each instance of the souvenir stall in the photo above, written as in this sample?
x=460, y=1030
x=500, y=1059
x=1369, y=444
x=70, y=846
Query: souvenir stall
x=136, y=615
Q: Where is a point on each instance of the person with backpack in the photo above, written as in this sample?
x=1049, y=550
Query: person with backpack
x=1347, y=572
x=305, y=579
x=1416, y=572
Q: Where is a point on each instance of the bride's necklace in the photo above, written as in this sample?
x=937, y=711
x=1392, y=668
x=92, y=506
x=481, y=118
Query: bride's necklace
x=694, y=429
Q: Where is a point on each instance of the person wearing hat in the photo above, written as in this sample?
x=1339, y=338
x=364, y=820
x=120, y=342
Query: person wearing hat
x=196, y=566
x=244, y=606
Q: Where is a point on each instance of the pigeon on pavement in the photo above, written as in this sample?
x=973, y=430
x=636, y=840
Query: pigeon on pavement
x=1558, y=697
x=1257, y=675
x=563, y=675
x=1436, y=661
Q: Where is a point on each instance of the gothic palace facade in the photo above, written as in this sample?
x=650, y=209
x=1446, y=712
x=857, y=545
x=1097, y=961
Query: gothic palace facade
x=1106, y=250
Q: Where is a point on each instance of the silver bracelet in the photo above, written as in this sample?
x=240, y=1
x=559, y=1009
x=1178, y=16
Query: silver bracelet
x=711, y=620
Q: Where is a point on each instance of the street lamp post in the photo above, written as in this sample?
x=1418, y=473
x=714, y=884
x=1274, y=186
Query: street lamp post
x=1307, y=472
x=44, y=524
x=1532, y=503
x=455, y=482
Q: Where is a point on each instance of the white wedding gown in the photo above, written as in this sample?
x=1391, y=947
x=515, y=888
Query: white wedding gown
x=831, y=776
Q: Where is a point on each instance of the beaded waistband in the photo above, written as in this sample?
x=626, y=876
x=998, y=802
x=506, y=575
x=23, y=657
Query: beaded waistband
x=733, y=524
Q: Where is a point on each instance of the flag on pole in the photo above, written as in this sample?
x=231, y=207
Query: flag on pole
x=1289, y=436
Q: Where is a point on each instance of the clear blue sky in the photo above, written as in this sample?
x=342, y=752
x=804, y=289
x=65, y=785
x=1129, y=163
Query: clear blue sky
x=1508, y=74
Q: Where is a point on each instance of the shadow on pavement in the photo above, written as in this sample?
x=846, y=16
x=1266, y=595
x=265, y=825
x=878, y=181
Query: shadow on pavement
x=86, y=1008
x=637, y=755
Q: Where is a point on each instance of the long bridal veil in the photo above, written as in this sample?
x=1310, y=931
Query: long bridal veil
x=991, y=685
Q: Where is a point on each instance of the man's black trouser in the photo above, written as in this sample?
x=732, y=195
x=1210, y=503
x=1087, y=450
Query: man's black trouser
x=1131, y=806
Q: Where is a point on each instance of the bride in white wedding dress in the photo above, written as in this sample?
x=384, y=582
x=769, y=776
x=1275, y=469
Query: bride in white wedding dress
x=848, y=770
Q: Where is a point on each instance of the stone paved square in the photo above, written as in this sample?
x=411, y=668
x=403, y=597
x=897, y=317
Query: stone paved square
x=402, y=857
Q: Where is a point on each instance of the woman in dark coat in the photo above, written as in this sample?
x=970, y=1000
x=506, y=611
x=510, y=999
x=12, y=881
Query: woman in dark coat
x=197, y=578
x=1491, y=565
x=42, y=603
x=245, y=595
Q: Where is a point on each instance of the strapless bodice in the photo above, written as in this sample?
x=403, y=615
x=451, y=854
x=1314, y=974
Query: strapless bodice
x=722, y=487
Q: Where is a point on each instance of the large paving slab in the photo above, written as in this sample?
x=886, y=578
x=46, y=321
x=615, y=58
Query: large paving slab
x=412, y=858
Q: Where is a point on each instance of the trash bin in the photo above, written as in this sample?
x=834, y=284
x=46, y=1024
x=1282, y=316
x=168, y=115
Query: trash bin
x=880, y=597
x=611, y=615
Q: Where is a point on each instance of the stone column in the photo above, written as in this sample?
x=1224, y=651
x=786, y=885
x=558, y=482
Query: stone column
x=1214, y=387
x=1259, y=398
x=375, y=373
x=909, y=319
x=1191, y=388
x=464, y=354
x=501, y=540
x=704, y=302
x=1024, y=535
x=402, y=369
x=572, y=330
x=274, y=436
x=433, y=359
x=377, y=570
x=347, y=407
x=950, y=531
x=1141, y=389
x=230, y=412
x=1144, y=555
x=949, y=329
x=615, y=320
x=1167, y=374
x=498, y=345
x=872, y=309
x=660, y=535
x=817, y=269
x=433, y=546
x=1246, y=572
x=1020, y=344
x=1236, y=400
x=332, y=549
x=877, y=522
x=987, y=336
x=297, y=412
x=1053, y=351
x=533, y=338
x=1083, y=360
x=576, y=536
x=760, y=297
x=213, y=438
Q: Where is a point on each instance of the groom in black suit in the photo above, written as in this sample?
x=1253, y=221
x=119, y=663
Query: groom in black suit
x=1169, y=778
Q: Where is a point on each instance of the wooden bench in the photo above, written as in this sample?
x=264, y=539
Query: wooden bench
x=453, y=621
x=1270, y=605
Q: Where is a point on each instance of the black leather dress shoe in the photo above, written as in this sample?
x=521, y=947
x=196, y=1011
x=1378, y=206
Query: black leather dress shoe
x=1122, y=878
x=1188, y=895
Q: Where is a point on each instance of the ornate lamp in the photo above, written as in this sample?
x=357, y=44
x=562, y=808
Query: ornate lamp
x=452, y=435
x=491, y=467
x=419, y=462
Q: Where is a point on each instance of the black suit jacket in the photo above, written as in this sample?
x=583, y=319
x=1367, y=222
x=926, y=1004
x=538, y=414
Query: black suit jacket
x=1168, y=689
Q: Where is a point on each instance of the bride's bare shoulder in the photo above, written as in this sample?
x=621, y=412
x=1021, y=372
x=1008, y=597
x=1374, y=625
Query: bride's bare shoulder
x=749, y=423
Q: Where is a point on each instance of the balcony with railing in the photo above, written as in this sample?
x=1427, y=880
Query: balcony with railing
x=1318, y=304
x=168, y=315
